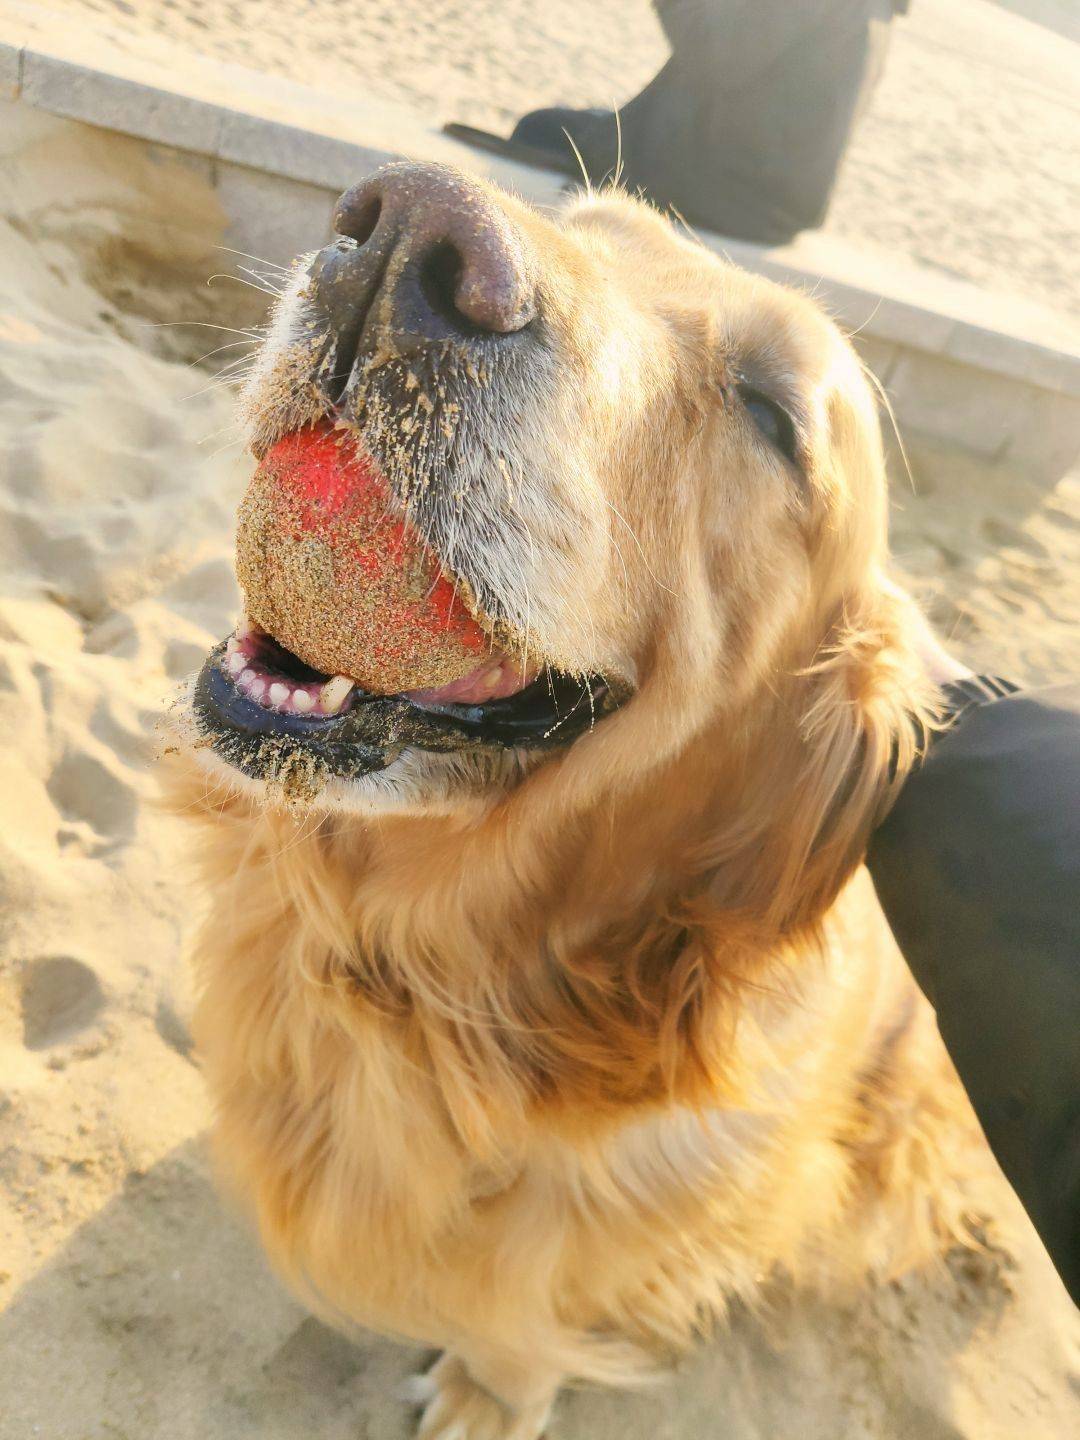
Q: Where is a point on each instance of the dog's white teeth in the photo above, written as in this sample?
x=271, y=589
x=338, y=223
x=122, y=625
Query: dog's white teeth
x=284, y=695
x=334, y=693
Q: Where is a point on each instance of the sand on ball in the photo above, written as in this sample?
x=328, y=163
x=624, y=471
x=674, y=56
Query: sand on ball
x=333, y=572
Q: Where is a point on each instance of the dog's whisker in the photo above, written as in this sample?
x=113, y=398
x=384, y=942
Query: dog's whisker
x=259, y=260
x=886, y=403
x=263, y=282
x=220, y=381
x=236, y=443
x=580, y=161
x=229, y=345
x=250, y=334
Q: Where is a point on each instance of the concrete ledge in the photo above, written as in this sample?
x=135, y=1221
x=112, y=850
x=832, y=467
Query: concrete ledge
x=11, y=67
x=997, y=374
x=1058, y=15
x=77, y=92
x=284, y=150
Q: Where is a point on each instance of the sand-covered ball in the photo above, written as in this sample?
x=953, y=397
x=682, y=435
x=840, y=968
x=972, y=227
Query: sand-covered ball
x=332, y=571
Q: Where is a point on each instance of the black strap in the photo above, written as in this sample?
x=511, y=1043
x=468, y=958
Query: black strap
x=962, y=695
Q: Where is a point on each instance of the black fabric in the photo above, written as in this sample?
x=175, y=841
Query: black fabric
x=978, y=870
x=744, y=128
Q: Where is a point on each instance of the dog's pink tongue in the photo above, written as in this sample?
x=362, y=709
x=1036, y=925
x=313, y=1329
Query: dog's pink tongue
x=494, y=680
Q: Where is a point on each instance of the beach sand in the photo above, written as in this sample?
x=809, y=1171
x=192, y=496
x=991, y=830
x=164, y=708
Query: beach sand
x=135, y=1306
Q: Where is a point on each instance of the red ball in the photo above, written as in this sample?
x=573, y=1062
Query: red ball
x=331, y=569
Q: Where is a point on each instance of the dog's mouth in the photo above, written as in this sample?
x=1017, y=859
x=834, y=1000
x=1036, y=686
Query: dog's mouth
x=336, y=575
x=272, y=717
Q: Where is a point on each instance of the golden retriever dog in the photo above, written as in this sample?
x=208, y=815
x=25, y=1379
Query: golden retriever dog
x=547, y=1011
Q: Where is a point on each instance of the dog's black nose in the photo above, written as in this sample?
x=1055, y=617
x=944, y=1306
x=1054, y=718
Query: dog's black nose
x=428, y=256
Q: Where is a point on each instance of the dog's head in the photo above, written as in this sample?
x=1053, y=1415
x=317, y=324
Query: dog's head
x=654, y=482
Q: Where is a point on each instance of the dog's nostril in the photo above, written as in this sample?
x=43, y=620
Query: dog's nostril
x=440, y=274
x=359, y=224
x=439, y=255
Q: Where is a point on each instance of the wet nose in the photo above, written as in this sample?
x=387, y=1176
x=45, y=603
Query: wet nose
x=428, y=255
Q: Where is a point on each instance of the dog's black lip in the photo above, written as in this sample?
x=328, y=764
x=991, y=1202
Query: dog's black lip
x=555, y=710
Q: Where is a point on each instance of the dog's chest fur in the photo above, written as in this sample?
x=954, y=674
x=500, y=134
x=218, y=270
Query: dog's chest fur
x=386, y=1204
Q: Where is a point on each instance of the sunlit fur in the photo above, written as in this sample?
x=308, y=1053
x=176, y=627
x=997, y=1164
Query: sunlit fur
x=548, y=1077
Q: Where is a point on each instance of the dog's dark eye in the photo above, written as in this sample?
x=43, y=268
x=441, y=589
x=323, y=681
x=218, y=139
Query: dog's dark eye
x=775, y=424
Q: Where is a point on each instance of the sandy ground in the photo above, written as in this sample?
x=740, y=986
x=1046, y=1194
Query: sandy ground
x=134, y=1307
x=968, y=160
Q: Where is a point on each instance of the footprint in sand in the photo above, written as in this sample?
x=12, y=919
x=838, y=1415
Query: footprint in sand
x=172, y=1018
x=61, y=997
x=315, y=1356
x=1004, y=537
x=89, y=793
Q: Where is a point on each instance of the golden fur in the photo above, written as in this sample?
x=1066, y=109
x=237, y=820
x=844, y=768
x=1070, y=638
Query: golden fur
x=546, y=1077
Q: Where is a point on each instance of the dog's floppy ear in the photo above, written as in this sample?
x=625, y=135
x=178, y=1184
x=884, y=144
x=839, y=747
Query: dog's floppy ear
x=851, y=725
x=865, y=710
x=793, y=815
